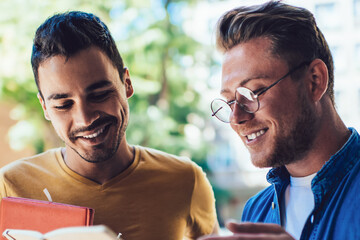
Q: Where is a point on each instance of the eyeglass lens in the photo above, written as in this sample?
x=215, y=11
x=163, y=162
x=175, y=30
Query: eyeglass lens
x=221, y=110
x=247, y=100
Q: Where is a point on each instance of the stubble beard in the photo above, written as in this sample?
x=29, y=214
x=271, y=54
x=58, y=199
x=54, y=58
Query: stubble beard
x=296, y=144
x=101, y=152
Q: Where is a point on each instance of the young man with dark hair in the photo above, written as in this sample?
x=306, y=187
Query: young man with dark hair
x=277, y=81
x=84, y=90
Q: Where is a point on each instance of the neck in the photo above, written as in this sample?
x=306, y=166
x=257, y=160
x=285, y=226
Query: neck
x=332, y=134
x=100, y=172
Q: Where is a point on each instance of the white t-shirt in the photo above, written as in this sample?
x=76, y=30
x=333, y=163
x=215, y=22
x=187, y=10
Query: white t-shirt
x=299, y=203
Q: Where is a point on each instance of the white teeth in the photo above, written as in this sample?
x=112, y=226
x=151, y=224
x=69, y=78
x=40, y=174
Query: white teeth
x=255, y=135
x=261, y=132
x=251, y=136
x=94, y=135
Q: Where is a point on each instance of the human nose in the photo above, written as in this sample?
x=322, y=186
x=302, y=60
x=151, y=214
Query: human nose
x=85, y=114
x=239, y=115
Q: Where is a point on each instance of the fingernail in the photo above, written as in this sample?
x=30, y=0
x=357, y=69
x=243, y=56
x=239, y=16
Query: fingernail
x=231, y=221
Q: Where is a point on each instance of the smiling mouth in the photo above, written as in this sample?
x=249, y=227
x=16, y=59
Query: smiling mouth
x=255, y=135
x=94, y=135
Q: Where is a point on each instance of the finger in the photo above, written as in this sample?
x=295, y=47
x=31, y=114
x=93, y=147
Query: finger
x=214, y=237
x=254, y=227
x=262, y=236
x=251, y=236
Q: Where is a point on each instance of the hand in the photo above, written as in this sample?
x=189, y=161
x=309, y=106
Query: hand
x=259, y=231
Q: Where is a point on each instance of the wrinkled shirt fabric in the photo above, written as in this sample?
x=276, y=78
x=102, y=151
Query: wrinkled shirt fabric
x=336, y=189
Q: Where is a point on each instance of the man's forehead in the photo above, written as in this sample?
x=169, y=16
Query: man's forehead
x=230, y=86
x=242, y=67
x=88, y=70
x=88, y=56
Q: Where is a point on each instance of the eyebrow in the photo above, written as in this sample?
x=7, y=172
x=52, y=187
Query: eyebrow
x=97, y=85
x=57, y=96
x=242, y=83
x=101, y=84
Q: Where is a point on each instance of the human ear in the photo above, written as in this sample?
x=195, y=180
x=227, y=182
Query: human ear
x=128, y=85
x=317, y=79
x=42, y=102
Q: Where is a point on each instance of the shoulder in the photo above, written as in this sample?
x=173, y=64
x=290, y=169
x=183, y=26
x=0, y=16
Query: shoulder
x=22, y=177
x=174, y=167
x=258, y=205
x=165, y=159
x=34, y=162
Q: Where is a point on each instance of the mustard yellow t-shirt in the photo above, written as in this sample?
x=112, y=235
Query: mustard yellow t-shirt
x=160, y=196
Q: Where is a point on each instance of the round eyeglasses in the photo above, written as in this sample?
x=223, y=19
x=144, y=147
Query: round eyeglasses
x=246, y=99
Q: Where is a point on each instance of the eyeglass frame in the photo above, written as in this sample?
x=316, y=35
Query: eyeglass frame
x=256, y=96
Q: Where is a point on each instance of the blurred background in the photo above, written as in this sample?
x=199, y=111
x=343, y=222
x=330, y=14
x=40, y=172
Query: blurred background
x=168, y=46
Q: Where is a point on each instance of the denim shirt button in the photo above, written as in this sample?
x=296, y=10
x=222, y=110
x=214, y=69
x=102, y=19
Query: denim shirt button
x=312, y=218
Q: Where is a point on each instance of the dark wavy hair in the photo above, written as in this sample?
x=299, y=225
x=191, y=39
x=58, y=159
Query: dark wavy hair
x=292, y=31
x=68, y=33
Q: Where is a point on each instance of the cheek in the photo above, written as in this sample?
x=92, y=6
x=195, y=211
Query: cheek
x=60, y=123
x=271, y=104
x=279, y=118
x=121, y=104
x=114, y=106
x=279, y=105
x=234, y=127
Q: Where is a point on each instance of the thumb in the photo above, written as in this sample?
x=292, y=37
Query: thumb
x=232, y=225
x=248, y=227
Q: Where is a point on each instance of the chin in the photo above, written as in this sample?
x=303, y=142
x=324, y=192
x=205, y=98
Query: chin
x=262, y=165
x=98, y=155
x=259, y=158
x=260, y=162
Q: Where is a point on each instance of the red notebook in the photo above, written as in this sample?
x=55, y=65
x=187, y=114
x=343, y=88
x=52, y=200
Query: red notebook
x=41, y=216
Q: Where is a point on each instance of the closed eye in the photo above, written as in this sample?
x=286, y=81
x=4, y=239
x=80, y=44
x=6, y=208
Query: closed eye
x=64, y=106
x=231, y=104
x=259, y=91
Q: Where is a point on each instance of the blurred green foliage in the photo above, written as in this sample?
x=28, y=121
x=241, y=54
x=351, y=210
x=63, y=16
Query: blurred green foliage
x=165, y=111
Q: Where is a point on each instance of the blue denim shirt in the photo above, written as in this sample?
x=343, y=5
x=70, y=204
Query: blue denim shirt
x=336, y=189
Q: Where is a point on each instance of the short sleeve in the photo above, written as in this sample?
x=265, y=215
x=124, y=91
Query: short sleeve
x=202, y=217
x=2, y=187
